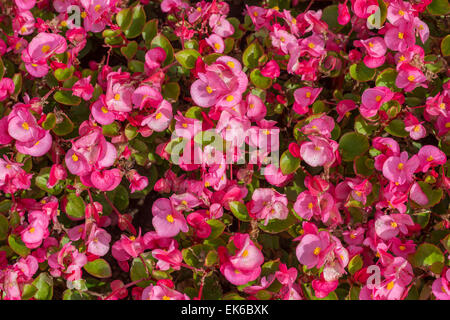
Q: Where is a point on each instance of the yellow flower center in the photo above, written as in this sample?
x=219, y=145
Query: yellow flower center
x=370, y=44
x=310, y=205
x=166, y=298
x=245, y=253
x=207, y=184
x=266, y=132
x=97, y=8
x=442, y=106
x=64, y=23
x=230, y=98
x=45, y=48
x=23, y=29
x=117, y=97
x=402, y=248
x=132, y=238
x=308, y=94
x=400, y=166
x=400, y=35
x=430, y=158
x=352, y=236
x=230, y=64
x=378, y=98
x=209, y=89
x=401, y=12
x=447, y=125
x=416, y=128
x=251, y=106
x=311, y=45
x=104, y=110
x=294, y=21
x=282, y=39
x=84, y=14
x=317, y=251
x=402, y=58
x=411, y=78
x=217, y=46
x=37, y=142
x=158, y=116
x=169, y=218
x=255, y=14
x=25, y=126
x=74, y=157
x=18, y=45
x=32, y=230
x=184, y=125
x=394, y=224
x=390, y=285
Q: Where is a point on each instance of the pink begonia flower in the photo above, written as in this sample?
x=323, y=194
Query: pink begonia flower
x=198, y=222
x=275, y=177
x=153, y=59
x=24, y=5
x=83, y=88
x=409, y=78
x=343, y=14
x=12, y=176
x=313, y=45
x=24, y=23
x=37, y=231
x=354, y=237
x=106, y=180
x=161, y=118
x=372, y=99
x=5, y=138
x=318, y=152
x=430, y=157
x=221, y=26
x=137, y=182
x=216, y=43
x=265, y=283
x=312, y=249
x=167, y=221
x=399, y=11
x=417, y=195
x=57, y=173
x=23, y=127
x=256, y=109
x=67, y=262
x=322, y=288
x=268, y=204
x=257, y=15
x=416, y=131
x=304, y=97
x=422, y=29
x=221, y=84
x=145, y=96
x=161, y=292
x=441, y=286
x=400, y=169
x=36, y=148
x=389, y=226
x=375, y=51
x=364, y=8
x=97, y=13
x=173, y=5
x=344, y=107
x=42, y=47
x=169, y=258
x=245, y=264
x=402, y=249
x=400, y=37
x=98, y=242
x=101, y=113
x=126, y=248
x=6, y=88
x=271, y=69
x=281, y=38
x=322, y=125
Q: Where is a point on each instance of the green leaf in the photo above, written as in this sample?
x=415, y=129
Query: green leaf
x=251, y=55
x=187, y=57
x=17, y=245
x=42, y=179
x=162, y=42
x=75, y=206
x=217, y=228
x=44, y=285
x=353, y=144
x=28, y=291
x=361, y=72
x=397, y=128
x=192, y=255
x=4, y=226
x=139, y=271
x=138, y=19
x=239, y=210
x=362, y=127
x=194, y=113
x=427, y=254
x=277, y=225
x=17, y=80
x=171, y=91
x=445, y=46
x=387, y=79
x=123, y=18
x=66, y=98
x=136, y=66
x=259, y=80
x=64, y=74
x=99, y=268
x=364, y=166
x=64, y=126
x=329, y=15
x=355, y=264
x=211, y=258
x=439, y=7
x=446, y=242
x=50, y=121
x=150, y=30
x=130, y=50
x=289, y=163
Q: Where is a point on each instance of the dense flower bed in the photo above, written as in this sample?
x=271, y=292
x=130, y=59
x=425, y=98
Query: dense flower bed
x=212, y=150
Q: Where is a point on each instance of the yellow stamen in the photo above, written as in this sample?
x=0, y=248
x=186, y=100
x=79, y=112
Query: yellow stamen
x=74, y=157
x=394, y=224
x=442, y=106
x=230, y=64
x=45, y=48
x=401, y=12
x=158, y=116
x=64, y=23
x=402, y=248
x=117, y=97
x=166, y=298
x=84, y=14
x=416, y=128
x=311, y=45
x=230, y=98
x=32, y=230
x=317, y=251
x=308, y=94
x=390, y=285
x=411, y=78
x=251, y=106
x=184, y=125
x=169, y=218
x=25, y=126
x=400, y=166
x=104, y=110
x=255, y=14
x=132, y=238
x=402, y=58
x=400, y=35
x=430, y=158
x=209, y=89
x=370, y=44
x=447, y=125
x=97, y=8
x=310, y=205
x=245, y=253
x=378, y=98
x=217, y=46
x=352, y=236
x=23, y=29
